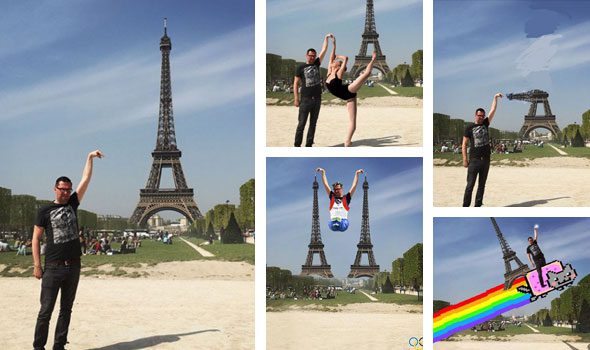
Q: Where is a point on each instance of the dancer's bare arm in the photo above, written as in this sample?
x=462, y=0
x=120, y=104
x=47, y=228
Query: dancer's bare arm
x=324, y=180
x=493, y=108
x=87, y=174
x=464, y=151
x=355, y=181
x=296, y=82
x=342, y=66
x=324, y=47
x=36, y=247
x=332, y=55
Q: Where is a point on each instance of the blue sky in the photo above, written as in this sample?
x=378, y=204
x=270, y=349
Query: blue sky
x=84, y=75
x=484, y=47
x=468, y=258
x=395, y=209
x=293, y=26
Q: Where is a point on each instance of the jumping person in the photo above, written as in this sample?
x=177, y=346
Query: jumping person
x=334, y=84
x=308, y=76
x=338, y=202
x=59, y=222
x=536, y=256
x=478, y=137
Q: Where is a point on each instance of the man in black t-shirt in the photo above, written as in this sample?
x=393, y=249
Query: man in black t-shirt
x=59, y=222
x=308, y=77
x=478, y=138
x=536, y=256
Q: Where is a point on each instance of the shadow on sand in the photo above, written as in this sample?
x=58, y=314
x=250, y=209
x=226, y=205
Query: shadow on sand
x=573, y=347
x=378, y=142
x=535, y=202
x=152, y=341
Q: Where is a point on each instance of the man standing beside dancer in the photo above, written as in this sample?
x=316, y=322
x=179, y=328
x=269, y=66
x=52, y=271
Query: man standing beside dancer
x=59, y=222
x=478, y=138
x=308, y=76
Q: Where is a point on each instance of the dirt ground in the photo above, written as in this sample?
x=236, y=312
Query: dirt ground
x=549, y=182
x=520, y=342
x=355, y=326
x=181, y=305
x=381, y=121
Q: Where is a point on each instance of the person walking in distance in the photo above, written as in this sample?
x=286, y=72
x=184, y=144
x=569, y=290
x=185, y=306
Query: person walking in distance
x=61, y=273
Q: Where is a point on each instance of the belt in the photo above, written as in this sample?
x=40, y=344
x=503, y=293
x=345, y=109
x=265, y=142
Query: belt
x=312, y=97
x=63, y=262
x=479, y=158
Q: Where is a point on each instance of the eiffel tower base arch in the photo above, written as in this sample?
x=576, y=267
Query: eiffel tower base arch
x=532, y=123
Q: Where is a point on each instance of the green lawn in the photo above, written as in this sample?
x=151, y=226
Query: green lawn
x=412, y=91
x=151, y=252
x=343, y=298
x=375, y=91
x=512, y=330
x=229, y=252
x=530, y=152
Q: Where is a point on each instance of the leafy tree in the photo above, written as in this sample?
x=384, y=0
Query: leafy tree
x=439, y=305
x=584, y=318
x=407, y=80
x=417, y=62
x=233, y=233
x=5, y=205
x=440, y=127
x=387, y=287
x=245, y=211
x=578, y=140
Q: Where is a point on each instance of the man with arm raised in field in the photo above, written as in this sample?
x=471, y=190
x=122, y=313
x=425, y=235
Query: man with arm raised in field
x=59, y=222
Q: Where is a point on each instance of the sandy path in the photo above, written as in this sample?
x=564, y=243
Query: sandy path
x=165, y=312
x=381, y=121
x=520, y=342
x=551, y=182
x=360, y=326
x=199, y=250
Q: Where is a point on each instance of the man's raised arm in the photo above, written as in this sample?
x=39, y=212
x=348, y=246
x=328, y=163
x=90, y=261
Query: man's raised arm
x=87, y=174
x=324, y=180
x=355, y=181
x=493, y=108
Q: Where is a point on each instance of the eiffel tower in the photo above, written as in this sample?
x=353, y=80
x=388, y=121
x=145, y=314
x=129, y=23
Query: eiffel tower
x=315, y=245
x=509, y=255
x=152, y=198
x=370, y=36
x=364, y=246
x=533, y=121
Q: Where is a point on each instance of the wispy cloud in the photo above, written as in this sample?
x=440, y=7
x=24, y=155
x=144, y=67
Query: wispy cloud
x=125, y=93
x=330, y=10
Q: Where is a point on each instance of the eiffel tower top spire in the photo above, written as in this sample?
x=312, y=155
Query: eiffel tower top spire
x=506, y=250
x=370, y=27
x=166, y=139
x=365, y=229
x=316, y=236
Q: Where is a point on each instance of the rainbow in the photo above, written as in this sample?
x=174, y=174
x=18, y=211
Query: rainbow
x=480, y=308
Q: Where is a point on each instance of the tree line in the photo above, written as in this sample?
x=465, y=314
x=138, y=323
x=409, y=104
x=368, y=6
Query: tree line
x=406, y=271
x=447, y=129
x=283, y=69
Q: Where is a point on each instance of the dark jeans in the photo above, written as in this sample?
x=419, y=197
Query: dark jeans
x=308, y=106
x=539, y=263
x=477, y=166
x=55, y=278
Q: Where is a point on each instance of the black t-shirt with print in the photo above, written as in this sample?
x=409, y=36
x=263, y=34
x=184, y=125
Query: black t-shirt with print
x=60, y=222
x=479, y=139
x=534, y=250
x=310, y=79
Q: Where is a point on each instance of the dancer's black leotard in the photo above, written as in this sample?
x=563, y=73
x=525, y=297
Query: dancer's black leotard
x=337, y=89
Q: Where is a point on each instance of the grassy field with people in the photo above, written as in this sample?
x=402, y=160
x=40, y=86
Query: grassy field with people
x=151, y=252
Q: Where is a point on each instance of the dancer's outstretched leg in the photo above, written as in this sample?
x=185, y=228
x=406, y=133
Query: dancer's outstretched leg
x=351, y=106
x=361, y=79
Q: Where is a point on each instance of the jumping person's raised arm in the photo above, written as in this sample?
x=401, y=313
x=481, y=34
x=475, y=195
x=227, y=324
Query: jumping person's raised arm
x=325, y=46
x=536, y=229
x=493, y=108
x=355, y=181
x=325, y=180
x=464, y=151
x=87, y=174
